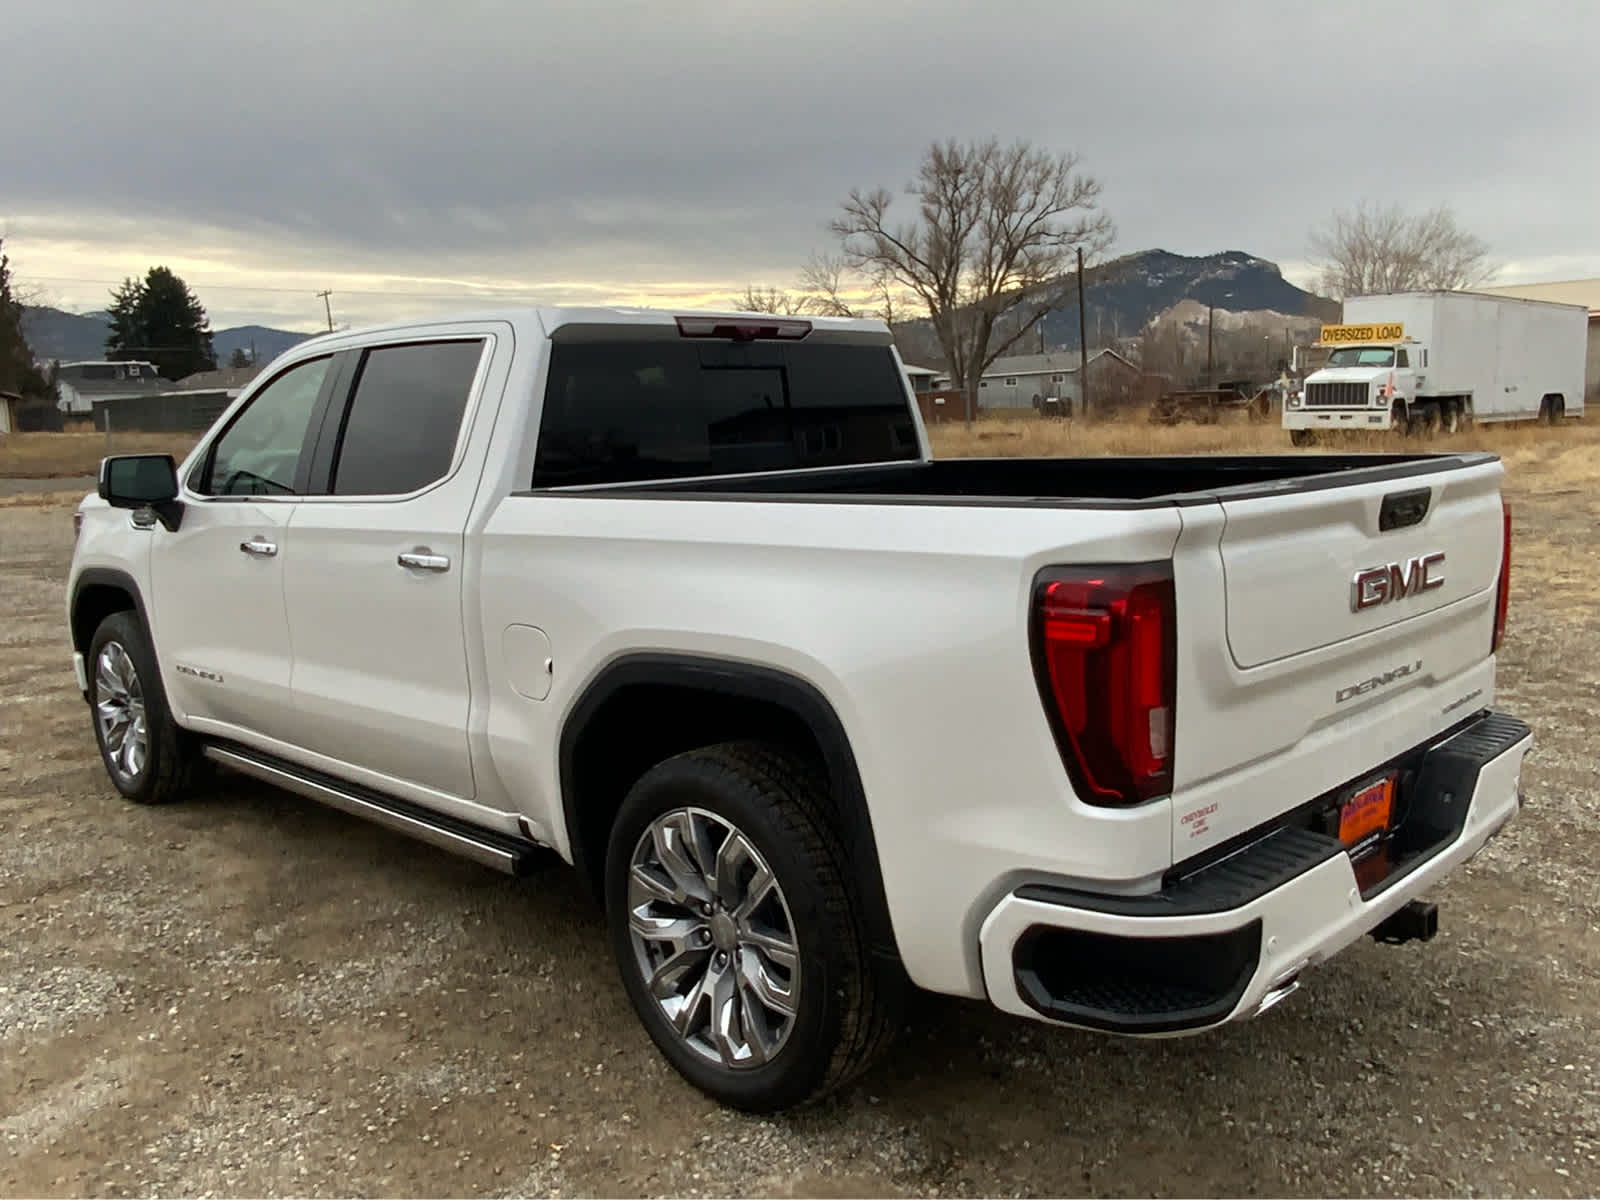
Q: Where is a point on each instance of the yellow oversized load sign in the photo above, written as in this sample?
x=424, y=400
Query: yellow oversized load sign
x=1344, y=335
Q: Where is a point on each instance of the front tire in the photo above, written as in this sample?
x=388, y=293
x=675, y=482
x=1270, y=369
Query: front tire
x=736, y=931
x=1303, y=437
x=149, y=759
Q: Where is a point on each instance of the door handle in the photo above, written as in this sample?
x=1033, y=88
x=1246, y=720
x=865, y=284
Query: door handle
x=424, y=559
x=260, y=547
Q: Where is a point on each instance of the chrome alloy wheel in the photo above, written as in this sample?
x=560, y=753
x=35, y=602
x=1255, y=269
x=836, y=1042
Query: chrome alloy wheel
x=713, y=937
x=119, y=709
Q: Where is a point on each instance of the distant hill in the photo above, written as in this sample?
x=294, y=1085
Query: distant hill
x=1127, y=296
x=54, y=334
x=267, y=343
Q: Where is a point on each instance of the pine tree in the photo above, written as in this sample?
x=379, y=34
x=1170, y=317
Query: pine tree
x=160, y=321
x=18, y=372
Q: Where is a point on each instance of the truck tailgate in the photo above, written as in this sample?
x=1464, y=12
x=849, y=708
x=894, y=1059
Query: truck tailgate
x=1323, y=566
x=1325, y=631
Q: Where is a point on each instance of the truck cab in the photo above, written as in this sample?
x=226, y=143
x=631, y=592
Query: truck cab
x=1364, y=386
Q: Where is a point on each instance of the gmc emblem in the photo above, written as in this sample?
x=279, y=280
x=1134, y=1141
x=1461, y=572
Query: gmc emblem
x=1395, y=581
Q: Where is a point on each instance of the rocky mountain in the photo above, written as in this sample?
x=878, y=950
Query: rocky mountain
x=1129, y=296
x=1126, y=296
x=54, y=334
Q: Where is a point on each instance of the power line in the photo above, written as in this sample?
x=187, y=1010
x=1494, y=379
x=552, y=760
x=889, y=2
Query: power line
x=493, y=293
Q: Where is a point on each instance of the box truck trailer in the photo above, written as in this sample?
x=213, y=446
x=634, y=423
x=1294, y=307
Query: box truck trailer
x=1426, y=361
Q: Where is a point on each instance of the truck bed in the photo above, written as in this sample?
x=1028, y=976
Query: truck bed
x=1056, y=482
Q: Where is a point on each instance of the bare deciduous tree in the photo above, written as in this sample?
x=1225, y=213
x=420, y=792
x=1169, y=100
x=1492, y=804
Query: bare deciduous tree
x=995, y=230
x=761, y=299
x=1378, y=250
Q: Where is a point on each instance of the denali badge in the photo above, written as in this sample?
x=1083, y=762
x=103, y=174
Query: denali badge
x=1396, y=581
x=1376, y=682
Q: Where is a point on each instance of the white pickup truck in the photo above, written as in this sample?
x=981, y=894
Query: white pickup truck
x=1121, y=744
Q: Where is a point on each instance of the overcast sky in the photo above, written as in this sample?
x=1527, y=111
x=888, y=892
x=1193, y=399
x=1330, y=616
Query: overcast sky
x=410, y=155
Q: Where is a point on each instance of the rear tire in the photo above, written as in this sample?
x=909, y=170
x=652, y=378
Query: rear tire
x=736, y=930
x=149, y=758
x=1450, y=418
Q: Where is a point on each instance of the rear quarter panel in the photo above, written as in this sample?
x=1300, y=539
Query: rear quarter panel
x=911, y=619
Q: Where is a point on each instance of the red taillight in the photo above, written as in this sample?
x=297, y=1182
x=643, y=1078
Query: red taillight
x=1502, y=592
x=1105, y=644
x=743, y=329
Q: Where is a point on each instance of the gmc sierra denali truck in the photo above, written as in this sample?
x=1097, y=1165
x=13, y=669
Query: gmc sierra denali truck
x=1121, y=744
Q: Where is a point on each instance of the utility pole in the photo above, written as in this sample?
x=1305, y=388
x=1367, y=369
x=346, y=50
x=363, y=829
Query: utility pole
x=1211, y=320
x=328, y=307
x=1083, y=342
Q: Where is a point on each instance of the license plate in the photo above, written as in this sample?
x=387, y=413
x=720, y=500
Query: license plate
x=1367, y=812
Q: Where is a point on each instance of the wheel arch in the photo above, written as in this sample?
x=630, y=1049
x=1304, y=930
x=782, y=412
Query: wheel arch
x=97, y=592
x=645, y=707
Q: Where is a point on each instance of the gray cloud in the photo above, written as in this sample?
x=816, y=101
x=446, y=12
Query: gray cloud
x=634, y=145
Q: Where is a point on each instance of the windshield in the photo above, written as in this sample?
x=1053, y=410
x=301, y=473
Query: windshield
x=1362, y=356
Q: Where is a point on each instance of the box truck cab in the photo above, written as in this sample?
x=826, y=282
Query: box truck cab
x=1432, y=361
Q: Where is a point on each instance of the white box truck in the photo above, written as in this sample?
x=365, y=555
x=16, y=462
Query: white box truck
x=1424, y=361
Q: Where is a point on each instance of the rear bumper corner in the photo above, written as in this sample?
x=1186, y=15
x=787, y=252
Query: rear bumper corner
x=1230, y=941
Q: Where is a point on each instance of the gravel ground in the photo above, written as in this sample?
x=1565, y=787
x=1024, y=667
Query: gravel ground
x=74, y=483
x=253, y=995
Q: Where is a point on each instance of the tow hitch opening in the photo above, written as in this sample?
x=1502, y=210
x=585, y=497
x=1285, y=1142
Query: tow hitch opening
x=1417, y=921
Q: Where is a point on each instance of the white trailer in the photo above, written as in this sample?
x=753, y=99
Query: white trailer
x=1426, y=360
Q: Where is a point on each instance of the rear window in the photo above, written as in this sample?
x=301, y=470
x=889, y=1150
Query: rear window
x=622, y=410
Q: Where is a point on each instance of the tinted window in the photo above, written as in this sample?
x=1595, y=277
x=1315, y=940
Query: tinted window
x=400, y=432
x=1402, y=359
x=259, y=453
x=653, y=408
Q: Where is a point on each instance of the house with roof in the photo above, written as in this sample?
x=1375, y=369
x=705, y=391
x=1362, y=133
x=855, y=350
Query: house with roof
x=10, y=405
x=80, y=384
x=228, y=380
x=921, y=377
x=1025, y=381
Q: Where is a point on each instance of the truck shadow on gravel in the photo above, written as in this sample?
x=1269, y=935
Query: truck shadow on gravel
x=1399, y=1056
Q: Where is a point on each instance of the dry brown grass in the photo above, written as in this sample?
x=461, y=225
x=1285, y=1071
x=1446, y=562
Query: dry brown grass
x=69, y=455
x=1032, y=437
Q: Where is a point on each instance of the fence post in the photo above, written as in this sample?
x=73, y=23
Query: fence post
x=107, y=411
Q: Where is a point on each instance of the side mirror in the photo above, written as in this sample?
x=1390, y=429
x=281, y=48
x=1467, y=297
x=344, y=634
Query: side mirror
x=142, y=481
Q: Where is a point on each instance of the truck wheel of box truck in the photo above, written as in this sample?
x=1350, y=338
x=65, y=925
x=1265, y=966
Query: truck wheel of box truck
x=1303, y=437
x=1450, y=417
x=1552, y=409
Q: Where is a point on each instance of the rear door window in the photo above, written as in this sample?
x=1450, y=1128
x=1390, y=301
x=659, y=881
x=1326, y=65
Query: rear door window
x=399, y=433
x=625, y=409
